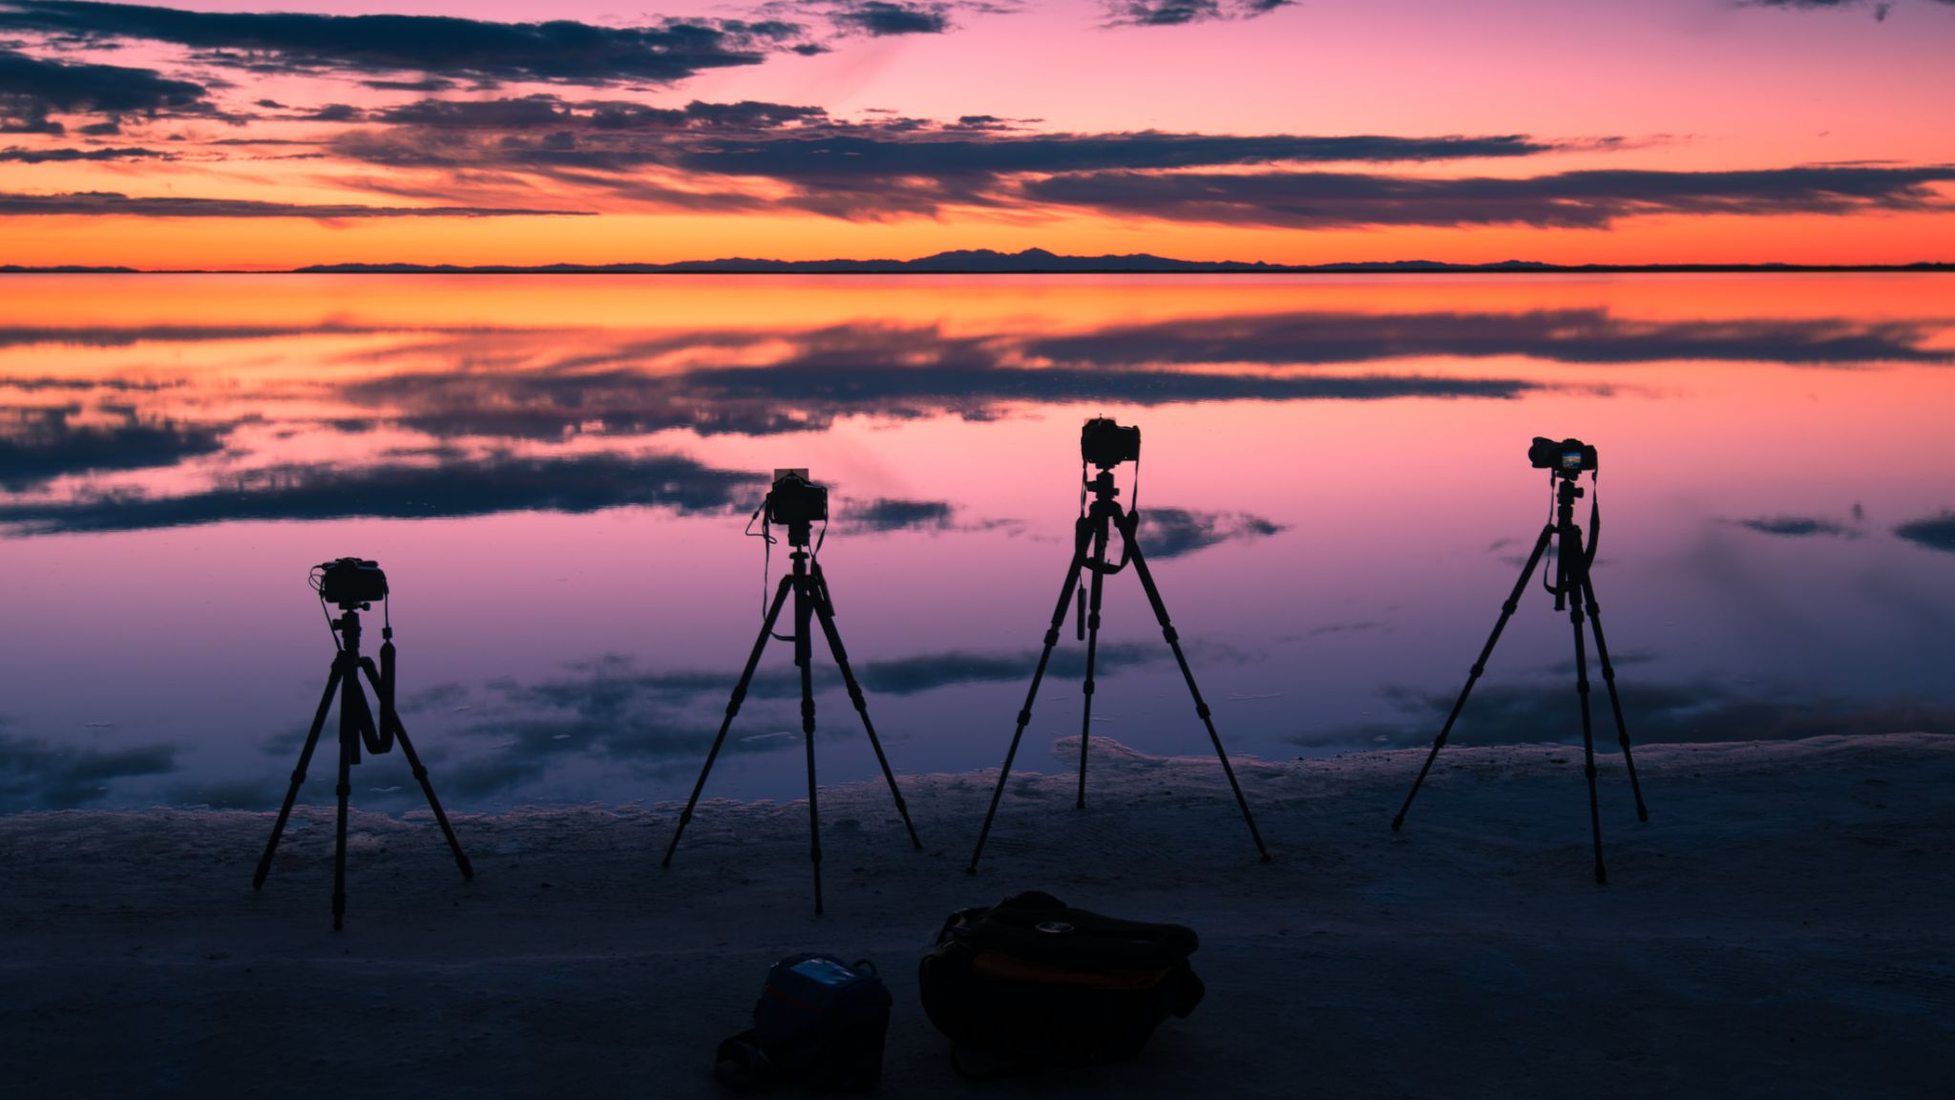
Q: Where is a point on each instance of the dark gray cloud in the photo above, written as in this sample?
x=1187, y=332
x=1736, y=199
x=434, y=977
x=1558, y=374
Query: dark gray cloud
x=1173, y=532
x=39, y=445
x=932, y=151
x=37, y=775
x=1797, y=527
x=1176, y=13
x=32, y=90
x=1576, y=200
x=898, y=515
x=17, y=155
x=1880, y=9
x=1933, y=532
x=434, y=46
x=880, y=19
x=586, y=483
x=1560, y=335
x=110, y=202
x=842, y=168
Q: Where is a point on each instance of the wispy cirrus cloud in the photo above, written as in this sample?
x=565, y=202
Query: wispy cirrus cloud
x=558, y=51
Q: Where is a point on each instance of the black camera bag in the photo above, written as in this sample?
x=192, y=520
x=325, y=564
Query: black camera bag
x=820, y=1023
x=1031, y=982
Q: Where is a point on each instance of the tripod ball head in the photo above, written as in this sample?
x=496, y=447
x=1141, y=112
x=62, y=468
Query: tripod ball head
x=349, y=583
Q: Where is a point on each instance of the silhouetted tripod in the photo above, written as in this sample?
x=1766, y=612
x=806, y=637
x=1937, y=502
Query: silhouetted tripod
x=351, y=584
x=1572, y=562
x=793, y=502
x=1090, y=537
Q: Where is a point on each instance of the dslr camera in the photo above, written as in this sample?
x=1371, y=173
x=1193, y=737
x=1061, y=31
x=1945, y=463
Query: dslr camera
x=1106, y=444
x=1568, y=457
x=794, y=500
x=352, y=582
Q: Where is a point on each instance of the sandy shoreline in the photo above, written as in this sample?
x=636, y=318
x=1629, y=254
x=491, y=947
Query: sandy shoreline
x=1781, y=927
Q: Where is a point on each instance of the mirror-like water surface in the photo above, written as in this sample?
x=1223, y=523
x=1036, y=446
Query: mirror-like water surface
x=555, y=474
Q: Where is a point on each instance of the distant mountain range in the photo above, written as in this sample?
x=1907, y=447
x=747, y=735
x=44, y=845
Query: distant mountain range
x=1032, y=261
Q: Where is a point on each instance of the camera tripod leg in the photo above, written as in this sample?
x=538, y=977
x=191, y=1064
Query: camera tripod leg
x=825, y=610
x=394, y=729
x=804, y=657
x=1080, y=537
x=732, y=708
x=1615, y=700
x=1571, y=549
x=1127, y=525
x=1479, y=667
x=298, y=777
x=352, y=703
x=1092, y=648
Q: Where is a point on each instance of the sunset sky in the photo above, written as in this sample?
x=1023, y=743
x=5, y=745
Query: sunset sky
x=206, y=135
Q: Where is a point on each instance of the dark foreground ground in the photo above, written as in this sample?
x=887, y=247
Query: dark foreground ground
x=1780, y=928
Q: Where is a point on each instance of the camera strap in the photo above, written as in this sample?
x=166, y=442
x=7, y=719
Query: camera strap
x=1594, y=518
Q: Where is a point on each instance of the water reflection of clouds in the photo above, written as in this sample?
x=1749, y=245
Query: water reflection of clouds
x=38, y=445
x=609, y=711
x=1561, y=336
x=37, y=775
x=172, y=425
x=545, y=386
x=1656, y=712
x=507, y=483
x=1932, y=532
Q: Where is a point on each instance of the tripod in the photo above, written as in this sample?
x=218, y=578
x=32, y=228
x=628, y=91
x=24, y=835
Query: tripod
x=811, y=601
x=1090, y=537
x=356, y=724
x=1574, y=590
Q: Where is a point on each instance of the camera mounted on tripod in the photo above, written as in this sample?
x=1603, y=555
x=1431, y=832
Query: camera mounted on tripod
x=351, y=584
x=1568, y=458
x=1106, y=444
x=796, y=503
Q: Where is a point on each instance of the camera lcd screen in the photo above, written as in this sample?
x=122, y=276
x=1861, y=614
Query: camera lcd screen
x=1571, y=460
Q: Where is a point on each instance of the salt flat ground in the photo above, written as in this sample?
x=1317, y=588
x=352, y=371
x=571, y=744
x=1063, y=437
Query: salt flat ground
x=1780, y=928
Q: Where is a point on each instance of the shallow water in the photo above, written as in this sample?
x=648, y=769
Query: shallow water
x=555, y=474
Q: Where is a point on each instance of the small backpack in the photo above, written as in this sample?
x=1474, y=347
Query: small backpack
x=819, y=1023
x=1031, y=982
